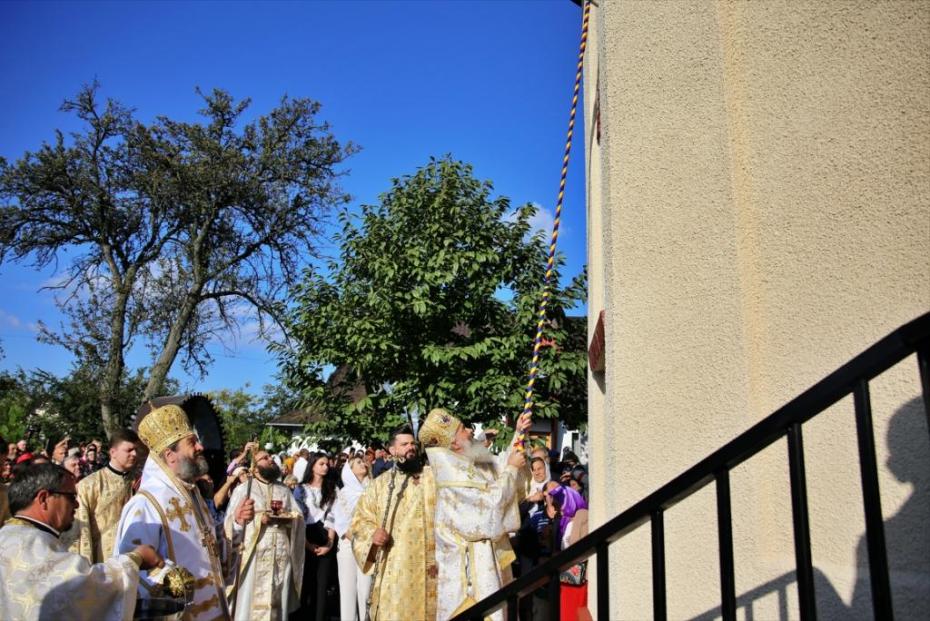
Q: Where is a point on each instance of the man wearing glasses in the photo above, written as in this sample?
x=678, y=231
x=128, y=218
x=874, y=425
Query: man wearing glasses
x=39, y=577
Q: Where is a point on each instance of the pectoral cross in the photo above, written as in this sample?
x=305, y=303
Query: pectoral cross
x=177, y=511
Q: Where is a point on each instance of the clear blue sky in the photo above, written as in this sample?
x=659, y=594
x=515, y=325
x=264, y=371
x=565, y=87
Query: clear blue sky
x=488, y=82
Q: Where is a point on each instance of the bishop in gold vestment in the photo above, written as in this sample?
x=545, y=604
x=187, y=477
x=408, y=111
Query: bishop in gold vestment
x=405, y=586
x=476, y=507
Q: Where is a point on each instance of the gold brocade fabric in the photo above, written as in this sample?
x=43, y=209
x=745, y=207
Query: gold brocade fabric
x=40, y=579
x=101, y=497
x=403, y=589
x=272, y=555
x=476, y=508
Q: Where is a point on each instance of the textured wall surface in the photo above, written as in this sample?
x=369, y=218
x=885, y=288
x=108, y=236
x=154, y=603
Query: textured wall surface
x=759, y=213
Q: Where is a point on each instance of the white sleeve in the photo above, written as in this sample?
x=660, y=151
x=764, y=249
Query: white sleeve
x=140, y=523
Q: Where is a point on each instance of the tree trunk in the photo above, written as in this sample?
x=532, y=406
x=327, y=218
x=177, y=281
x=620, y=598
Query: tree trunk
x=115, y=366
x=170, y=350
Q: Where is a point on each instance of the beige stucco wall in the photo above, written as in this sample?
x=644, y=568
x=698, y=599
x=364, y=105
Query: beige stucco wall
x=758, y=214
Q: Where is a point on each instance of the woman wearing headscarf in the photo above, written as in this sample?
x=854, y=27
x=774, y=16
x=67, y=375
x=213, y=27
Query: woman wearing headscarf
x=353, y=584
x=573, y=525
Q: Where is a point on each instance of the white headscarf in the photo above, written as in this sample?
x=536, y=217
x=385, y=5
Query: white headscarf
x=300, y=468
x=347, y=498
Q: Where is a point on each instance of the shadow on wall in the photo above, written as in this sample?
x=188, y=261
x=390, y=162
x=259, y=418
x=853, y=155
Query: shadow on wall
x=907, y=535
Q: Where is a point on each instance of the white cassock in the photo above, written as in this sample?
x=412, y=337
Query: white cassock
x=476, y=508
x=169, y=515
x=40, y=579
x=271, y=563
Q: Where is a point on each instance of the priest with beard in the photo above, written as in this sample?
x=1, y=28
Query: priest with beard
x=477, y=496
x=267, y=527
x=169, y=514
x=398, y=550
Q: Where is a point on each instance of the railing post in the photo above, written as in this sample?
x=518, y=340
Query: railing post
x=802, y=533
x=513, y=608
x=603, y=582
x=725, y=541
x=555, y=600
x=923, y=364
x=659, y=608
x=871, y=496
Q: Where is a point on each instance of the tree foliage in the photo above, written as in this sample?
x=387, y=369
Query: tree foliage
x=177, y=231
x=432, y=302
x=48, y=407
x=244, y=415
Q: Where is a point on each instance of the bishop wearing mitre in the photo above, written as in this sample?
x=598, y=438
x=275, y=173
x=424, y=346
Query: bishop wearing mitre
x=477, y=496
x=169, y=514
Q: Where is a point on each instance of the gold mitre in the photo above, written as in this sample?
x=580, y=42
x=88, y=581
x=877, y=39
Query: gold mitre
x=164, y=426
x=439, y=429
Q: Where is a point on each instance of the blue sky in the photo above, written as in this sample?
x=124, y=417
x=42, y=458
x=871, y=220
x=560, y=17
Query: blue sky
x=488, y=82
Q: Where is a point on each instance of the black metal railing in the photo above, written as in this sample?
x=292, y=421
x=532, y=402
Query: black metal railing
x=852, y=378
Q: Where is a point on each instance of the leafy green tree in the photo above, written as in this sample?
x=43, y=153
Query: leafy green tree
x=432, y=302
x=49, y=407
x=178, y=232
x=242, y=415
x=245, y=415
x=14, y=407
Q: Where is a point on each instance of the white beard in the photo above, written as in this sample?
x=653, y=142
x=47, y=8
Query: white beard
x=478, y=453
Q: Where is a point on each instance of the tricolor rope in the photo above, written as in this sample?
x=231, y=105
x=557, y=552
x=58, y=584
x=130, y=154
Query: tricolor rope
x=550, y=265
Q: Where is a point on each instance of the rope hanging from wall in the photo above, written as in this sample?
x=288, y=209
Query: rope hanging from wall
x=520, y=440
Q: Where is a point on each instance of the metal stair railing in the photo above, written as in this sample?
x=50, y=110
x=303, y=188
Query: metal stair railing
x=852, y=378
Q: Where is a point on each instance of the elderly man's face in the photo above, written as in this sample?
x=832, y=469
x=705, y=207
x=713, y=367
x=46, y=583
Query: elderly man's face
x=464, y=436
x=73, y=466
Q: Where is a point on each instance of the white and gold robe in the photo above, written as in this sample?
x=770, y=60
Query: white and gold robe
x=476, y=508
x=272, y=560
x=405, y=587
x=190, y=540
x=40, y=579
x=101, y=497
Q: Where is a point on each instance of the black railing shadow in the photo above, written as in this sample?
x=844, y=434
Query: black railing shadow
x=906, y=536
x=745, y=601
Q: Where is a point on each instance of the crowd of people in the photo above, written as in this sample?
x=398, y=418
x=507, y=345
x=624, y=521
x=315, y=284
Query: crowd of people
x=402, y=531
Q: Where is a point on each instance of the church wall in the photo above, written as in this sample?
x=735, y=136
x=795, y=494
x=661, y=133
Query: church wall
x=758, y=214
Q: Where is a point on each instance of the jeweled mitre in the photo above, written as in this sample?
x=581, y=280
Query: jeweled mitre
x=164, y=426
x=439, y=429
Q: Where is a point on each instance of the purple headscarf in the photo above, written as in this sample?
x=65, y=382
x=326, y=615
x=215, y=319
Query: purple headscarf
x=570, y=502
